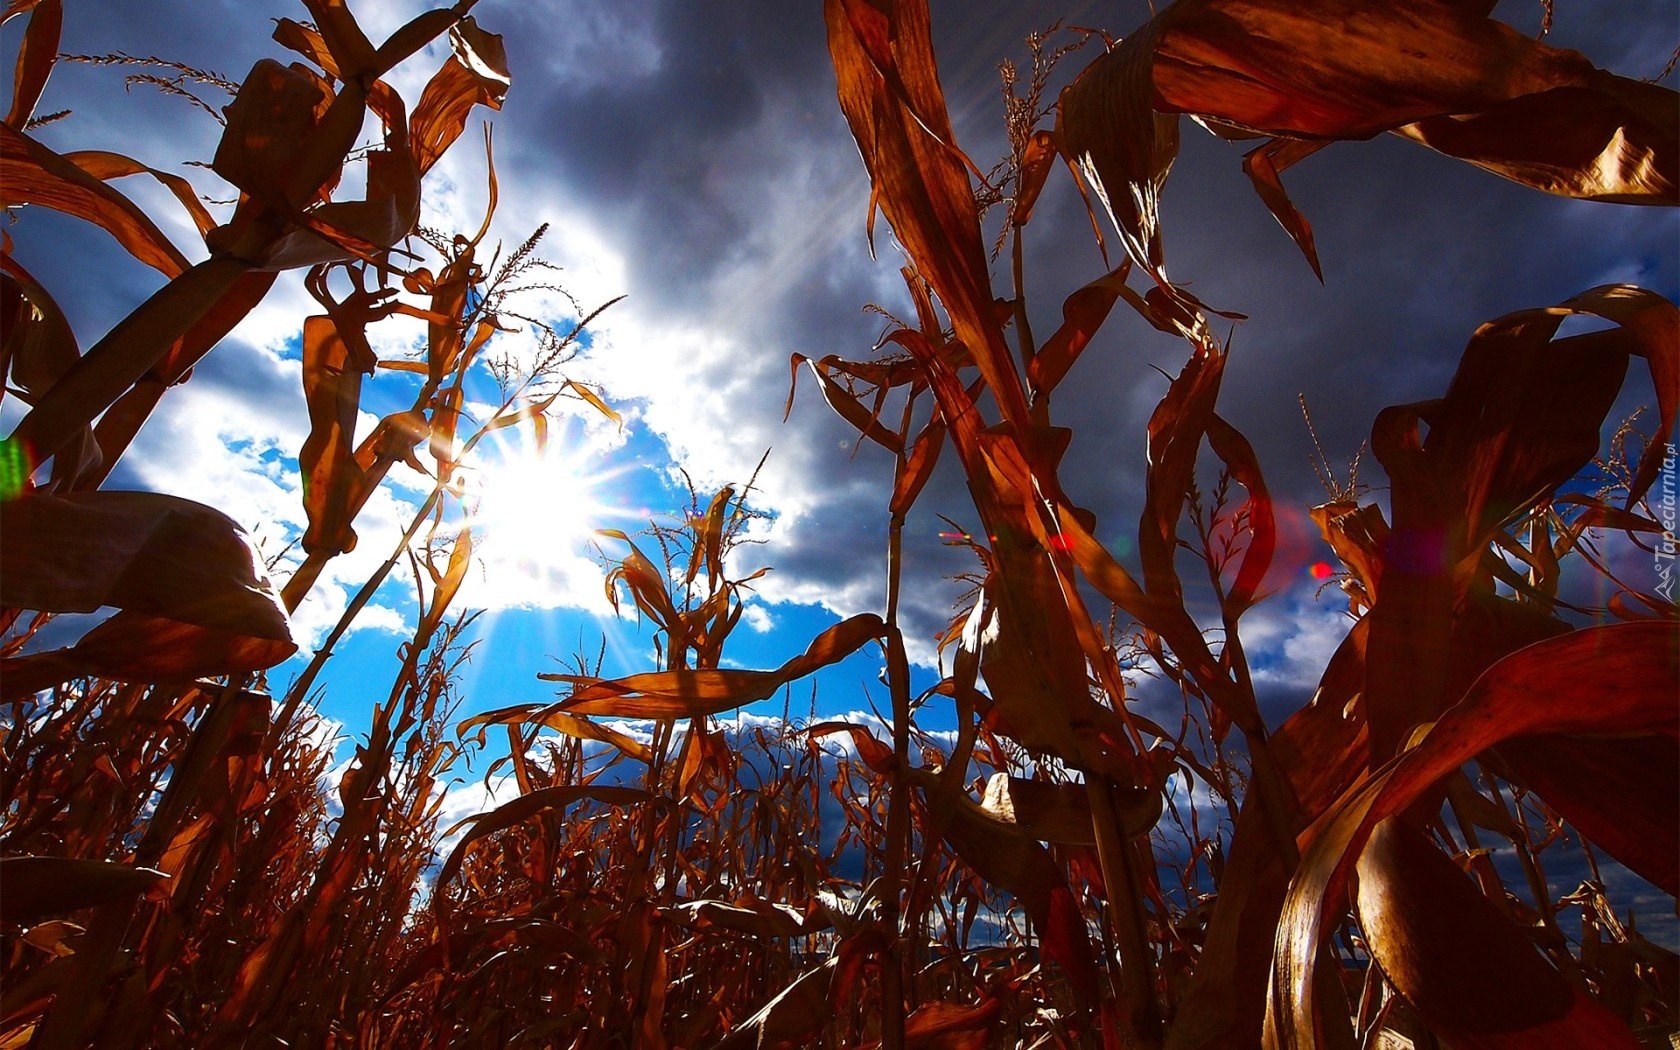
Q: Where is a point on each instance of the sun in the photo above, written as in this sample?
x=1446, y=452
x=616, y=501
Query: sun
x=535, y=510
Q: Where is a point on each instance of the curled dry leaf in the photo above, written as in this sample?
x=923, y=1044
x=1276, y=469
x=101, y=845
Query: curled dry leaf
x=148, y=554
x=36, y=56
x=692, y=693
x=1610, y=679
x=890, y=94
x=1440, y=74
x=332, y=388
x=475, y=74
x=549, y=717
x=32, y=174
x=104, y=165
x=1469, y=973
x=1521, y=416
x=193, y=597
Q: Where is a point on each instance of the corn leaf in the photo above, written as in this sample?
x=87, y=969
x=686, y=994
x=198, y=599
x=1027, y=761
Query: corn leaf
x=37, y=887
x=692, y=694
x=1617, y=678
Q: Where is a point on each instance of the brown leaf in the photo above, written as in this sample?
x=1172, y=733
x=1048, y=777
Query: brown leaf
x=1025, y=869
x=32, y=174
x=889, y=91
x=847, y=406
x=791, y=1016
x=476, y=74
x=127, y=352
x=134, y=647
x=35, y=58
x=37, y=887
x=122, y=421
x=918, y=468
x=762, y=919
x=1611, y=679
x=194, y=601
x=1622, y=794
x=1083, y=313
x=1036, y=163
x=1344, y=68
x=692, y=694
x=1471, y=975
x=876, y=755
x=104, y=166
x=1264, y=165
x=1521, y=417
x=140, y=551
x=1124, y=149
x=1238, y=456
x=1357, y=535
x=1040, y=810
x=344, y=39
x=269, y=124
x=332, y=387
x=37, y=349
x=1613, y=140
x=1349, y=69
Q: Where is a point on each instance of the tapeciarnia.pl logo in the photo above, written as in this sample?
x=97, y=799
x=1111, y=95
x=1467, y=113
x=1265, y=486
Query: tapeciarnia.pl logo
x=1666, y=515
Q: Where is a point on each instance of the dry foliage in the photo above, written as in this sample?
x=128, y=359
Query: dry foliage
x=176, y=875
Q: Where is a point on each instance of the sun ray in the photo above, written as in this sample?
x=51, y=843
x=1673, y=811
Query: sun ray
x=535, y=510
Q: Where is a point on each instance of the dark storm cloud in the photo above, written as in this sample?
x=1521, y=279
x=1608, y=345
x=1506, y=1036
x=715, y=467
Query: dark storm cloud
x=703, y=144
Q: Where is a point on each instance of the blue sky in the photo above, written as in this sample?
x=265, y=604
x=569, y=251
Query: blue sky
x=695, y=161
x=692, y=158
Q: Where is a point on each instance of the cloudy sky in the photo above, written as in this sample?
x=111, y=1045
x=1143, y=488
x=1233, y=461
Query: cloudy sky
x=692, y=158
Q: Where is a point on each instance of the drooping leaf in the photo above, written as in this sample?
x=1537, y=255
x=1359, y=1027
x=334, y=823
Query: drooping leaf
x=1438, y=73
x=1122, y=147
x=547, y=717
x=1083, y=313
x=332, y=384
x=104, y=165
x=846, y=406
x=694, y=693
x=1610, y=679
x=32, y=174
x=1611, y=139
x=1024, y=869
x=1264, y=165
x=35, y=57
x=1471, y=974
x=1238, y=456
x=918, y=468
x=141, y=551
x=1521, y=416
x=180, y=571
x=475, y=74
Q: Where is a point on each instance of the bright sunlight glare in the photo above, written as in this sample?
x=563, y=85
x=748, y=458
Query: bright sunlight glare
x=535, y=511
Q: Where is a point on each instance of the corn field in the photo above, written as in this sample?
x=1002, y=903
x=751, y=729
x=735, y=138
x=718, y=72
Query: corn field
x=178, y=869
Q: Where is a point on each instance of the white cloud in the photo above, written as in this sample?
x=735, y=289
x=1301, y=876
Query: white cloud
x=1291, y=637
